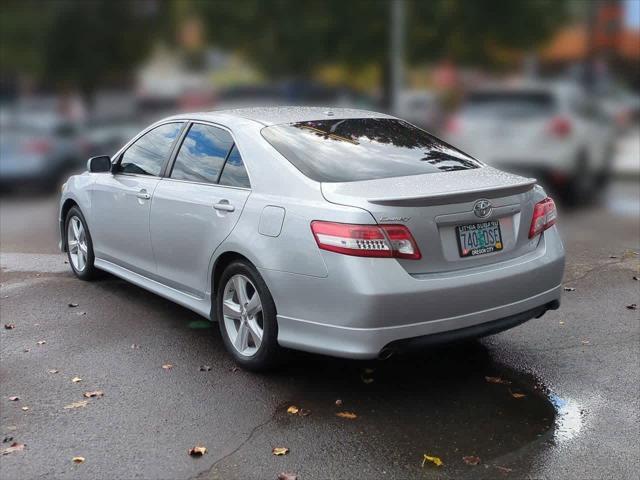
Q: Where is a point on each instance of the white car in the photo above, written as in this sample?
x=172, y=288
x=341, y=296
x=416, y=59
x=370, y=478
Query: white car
x=554, y=132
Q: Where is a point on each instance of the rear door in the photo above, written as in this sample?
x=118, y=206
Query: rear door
x=196, y=206
x=122, y=201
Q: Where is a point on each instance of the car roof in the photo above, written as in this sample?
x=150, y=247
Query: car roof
x=280, y=115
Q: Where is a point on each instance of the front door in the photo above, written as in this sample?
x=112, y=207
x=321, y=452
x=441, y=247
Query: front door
x=121, y=202
x=196, y=206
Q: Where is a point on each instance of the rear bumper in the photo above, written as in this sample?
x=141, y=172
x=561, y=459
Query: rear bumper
x=366, y=304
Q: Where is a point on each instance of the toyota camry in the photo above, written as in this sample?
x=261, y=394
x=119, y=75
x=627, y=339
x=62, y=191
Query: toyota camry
x=343, y=232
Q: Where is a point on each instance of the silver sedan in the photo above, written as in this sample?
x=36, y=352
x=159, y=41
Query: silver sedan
x=342, y=232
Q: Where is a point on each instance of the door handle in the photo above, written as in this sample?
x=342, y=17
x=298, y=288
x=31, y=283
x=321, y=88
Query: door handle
x=142, y=194
x=224, y=206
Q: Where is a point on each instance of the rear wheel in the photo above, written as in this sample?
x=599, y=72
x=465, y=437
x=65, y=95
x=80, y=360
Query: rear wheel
x=247, y=317
x=79, y=245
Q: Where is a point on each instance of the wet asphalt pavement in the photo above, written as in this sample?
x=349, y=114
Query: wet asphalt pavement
x=568, y=408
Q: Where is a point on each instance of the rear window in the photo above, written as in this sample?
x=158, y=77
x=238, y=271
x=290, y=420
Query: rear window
x=347, y=150
x=505, y=103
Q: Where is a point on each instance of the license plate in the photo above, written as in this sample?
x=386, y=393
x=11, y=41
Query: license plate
x=479, y=238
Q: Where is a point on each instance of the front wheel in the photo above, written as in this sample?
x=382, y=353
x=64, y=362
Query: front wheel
x=247, y=317
x=79, y=245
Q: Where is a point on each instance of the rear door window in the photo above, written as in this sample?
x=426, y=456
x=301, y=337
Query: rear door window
x=202, y=154
x=147, y=155
x=347, y=150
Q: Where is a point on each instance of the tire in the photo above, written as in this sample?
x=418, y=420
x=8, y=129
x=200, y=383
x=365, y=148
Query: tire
x=81, y=259
x=580, y=189
x=239, y=327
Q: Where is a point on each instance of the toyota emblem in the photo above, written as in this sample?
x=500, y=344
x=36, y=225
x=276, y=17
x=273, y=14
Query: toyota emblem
x=482, y=208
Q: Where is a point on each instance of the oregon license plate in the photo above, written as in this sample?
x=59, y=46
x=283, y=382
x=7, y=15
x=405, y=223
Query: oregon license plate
x=479, y=238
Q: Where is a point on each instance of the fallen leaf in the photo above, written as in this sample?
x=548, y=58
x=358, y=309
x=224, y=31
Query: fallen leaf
x=205, y=368
x=25, y=408
x=78, y=404
x=93, y=394
x=585, y=342
x=368, y=371
x=471, y=460
x=41, y=342
x=81, y=313
x=234, y=369
x=197, y=451
x=9, y=326
x=77, y=459
x=504, y=469
x=26, y=350
x=12, y=428
x=293, y=410
x=435, y=460
x=167, y=366
x=497, y=380
x=613, y=256
x=561, y=322
x=53, y=370
x=338, y=402
x=304, y=412
x=14, y=447
x=632, y=306
x=76, y=379
x=287, y=476
x=569, y=289
x=73, y=305
x=348, y=415
x=517, y=395
x=14, y=398
x=279, y=451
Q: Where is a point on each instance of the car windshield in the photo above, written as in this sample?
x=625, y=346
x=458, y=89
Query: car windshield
x=347, y=150
x=509, y=103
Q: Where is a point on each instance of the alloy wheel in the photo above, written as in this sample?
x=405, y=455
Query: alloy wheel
x=77, y=243
x=242, y=315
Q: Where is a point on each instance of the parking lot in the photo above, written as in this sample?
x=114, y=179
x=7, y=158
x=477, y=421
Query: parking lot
x=566, y=405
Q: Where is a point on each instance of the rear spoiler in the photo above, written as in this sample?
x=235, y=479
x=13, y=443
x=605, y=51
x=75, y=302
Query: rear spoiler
x=430, y=189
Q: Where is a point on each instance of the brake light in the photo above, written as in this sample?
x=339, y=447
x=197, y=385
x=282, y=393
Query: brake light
x=38, y=146
x=544, y=216
x=560, y=127
x=452, y=124
x=385, y=241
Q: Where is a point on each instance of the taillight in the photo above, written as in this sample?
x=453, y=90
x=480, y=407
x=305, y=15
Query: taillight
x=366, y=240
x=544, y=216
x=38, y=146
x=560, y=127
x=452, y=125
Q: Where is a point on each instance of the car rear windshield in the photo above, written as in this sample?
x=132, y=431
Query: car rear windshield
x=506, y=103
x=347, y=150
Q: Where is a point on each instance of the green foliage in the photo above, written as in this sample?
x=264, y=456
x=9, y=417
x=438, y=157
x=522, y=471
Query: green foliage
x=92, y=42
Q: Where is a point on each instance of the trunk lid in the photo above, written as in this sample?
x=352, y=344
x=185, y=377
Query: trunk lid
x=432, y=205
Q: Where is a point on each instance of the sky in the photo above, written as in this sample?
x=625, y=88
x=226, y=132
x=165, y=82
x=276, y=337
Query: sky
x=632, y=13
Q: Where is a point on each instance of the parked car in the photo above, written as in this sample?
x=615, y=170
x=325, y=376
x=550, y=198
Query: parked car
x=552, y=131
x=37, y=150
x=422, y=108
x=343, y=232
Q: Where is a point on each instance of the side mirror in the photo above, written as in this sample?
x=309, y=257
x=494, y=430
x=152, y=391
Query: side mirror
x=99, y=164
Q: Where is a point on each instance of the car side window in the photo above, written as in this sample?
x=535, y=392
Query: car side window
x=147, y=154
x=234, y=173
x=202, y=154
